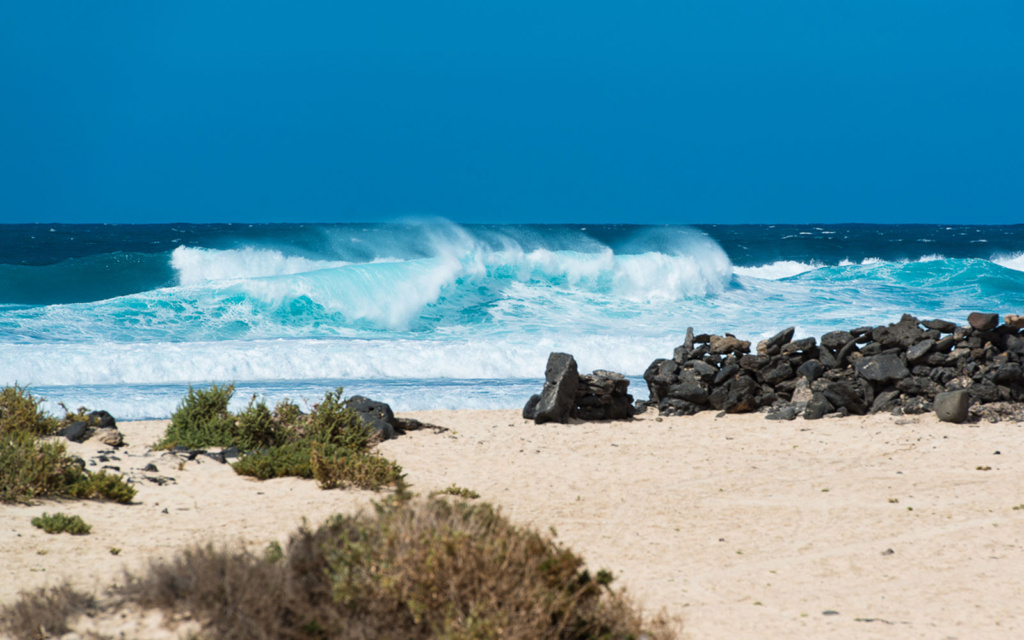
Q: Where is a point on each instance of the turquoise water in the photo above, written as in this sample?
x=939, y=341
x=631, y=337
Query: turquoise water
x=434, y=315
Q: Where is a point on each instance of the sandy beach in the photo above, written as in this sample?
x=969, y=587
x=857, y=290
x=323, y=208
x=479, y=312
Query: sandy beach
x=858, y=527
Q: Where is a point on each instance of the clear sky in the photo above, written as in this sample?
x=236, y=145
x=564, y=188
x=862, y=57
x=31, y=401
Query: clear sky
x=574, y=111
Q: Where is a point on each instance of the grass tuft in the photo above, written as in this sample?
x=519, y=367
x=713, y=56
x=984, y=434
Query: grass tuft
x=61, y=523
x=460, y=492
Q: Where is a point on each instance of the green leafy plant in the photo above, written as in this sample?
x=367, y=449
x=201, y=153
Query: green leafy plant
x=339, y=467
x=333, y=423
x=289, y=459
x=61, y=523
x=20, y=412
x=202, y=420
x=256, y=427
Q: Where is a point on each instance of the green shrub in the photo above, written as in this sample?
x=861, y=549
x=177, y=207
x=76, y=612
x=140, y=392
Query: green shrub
x=256, y=427
x=101, y=486
x=61, y=523
x=202, y=420
x=429, y=569
x=333, y=423
x=338, y=467
x=288, y=414
x=31, y=469
x=20, y=411
x=289, y=459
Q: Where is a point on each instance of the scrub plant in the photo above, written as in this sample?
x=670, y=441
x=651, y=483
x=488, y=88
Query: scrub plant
x=32, y=466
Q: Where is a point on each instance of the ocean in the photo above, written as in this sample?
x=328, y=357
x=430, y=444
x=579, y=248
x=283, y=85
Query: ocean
x=430, y=314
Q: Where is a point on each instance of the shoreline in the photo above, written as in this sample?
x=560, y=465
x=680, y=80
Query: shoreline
x=742, y=526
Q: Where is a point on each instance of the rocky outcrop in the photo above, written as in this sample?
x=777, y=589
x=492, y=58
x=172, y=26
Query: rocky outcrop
x=900, y=367
x=601, y=395
x=375, y=415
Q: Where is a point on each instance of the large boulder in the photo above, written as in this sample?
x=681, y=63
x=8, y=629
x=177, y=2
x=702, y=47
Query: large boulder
x=376, y=415
x=558, y=398
x=75, y=432
x=952, y=406
x=886, y=368
x=983, y=321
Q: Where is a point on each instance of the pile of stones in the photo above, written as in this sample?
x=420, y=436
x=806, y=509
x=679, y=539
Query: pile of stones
x=99, y=425
x=601, y=395
x=911, y=366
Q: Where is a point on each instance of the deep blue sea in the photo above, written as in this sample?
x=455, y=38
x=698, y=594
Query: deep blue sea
x=431, y=314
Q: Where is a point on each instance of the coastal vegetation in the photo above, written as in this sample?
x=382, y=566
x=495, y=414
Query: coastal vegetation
x=61, y=523
x=32, y=465
x=412, y=568
x=330, y=444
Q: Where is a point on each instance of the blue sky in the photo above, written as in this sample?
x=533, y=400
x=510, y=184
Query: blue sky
x=653, y=112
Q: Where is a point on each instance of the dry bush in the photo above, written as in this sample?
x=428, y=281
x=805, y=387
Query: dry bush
x=43, y=613
x=430, y=569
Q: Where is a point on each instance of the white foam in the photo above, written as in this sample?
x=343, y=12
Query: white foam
x=196, y=266
x=1015, y=261
x=777, y=270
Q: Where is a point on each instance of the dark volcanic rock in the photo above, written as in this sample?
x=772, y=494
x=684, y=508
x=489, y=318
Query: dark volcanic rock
x=788, y=412
x=728, y=344
x=726, y=373
x=375, y=415
x=812, y=369
x=940, y=325
x=530, y=409
x=983, y=321
x=778, y=373
x=846, y=394
x=101, y=420
x=920, y=350
x=882, y=368
x=817, y=407
x=558, y=399
x=690, y=391
x=886, y=401
x=835, y=340
x=904, y=333
x=952, y=406
x=676, y=407
x=704, y=370
x=604, y=395
x=75, y=432
x=805, y=344
x=741, y=395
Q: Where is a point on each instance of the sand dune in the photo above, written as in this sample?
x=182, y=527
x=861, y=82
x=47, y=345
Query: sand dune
x=743, y=527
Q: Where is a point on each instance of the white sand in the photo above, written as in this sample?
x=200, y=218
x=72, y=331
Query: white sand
x=743, y=527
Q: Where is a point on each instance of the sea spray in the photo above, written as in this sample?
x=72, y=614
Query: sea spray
x=119, y=313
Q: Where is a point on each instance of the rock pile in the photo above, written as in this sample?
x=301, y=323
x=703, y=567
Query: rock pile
x=601, y=395
x=98, y=424
x=904, y=367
